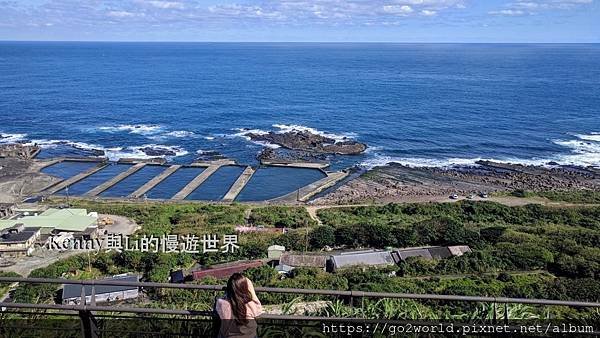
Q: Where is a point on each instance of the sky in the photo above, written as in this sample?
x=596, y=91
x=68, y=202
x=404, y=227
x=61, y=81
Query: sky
x=553, y=21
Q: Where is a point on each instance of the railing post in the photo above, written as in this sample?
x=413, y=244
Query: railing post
x=93, y=296
x=89, y=326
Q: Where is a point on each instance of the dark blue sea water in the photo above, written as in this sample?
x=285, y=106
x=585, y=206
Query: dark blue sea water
x=415, y=104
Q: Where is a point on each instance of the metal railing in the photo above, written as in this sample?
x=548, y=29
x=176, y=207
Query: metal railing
x=86, y=311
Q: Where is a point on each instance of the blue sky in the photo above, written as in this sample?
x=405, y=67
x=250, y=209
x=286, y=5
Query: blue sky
x=302, y=20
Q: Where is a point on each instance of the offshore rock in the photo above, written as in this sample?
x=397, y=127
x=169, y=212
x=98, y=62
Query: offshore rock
x=307, y=141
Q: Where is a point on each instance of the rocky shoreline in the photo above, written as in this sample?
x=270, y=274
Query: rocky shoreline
x=399, y=183
x=21, y=178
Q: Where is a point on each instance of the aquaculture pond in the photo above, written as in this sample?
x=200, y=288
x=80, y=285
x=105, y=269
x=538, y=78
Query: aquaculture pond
x=217, y=185
x=68, y=169
x=174, y=183
x=95, y=179
x=132, y=182
x=271, y=182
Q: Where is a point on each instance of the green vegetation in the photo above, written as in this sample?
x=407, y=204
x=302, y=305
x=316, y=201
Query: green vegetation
x=564, y=241
x=281, y=217
x=5, y=286
x=570, y=196
x=530, y=251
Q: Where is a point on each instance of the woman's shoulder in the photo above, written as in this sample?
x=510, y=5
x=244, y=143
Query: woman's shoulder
x=222, y=301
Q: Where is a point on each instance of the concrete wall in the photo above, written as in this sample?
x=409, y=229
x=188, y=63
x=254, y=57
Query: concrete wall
x=105, y=297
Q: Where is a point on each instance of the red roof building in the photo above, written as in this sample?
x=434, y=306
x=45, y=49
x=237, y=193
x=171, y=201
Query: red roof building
x=225, y=270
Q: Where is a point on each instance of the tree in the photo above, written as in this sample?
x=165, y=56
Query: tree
x=322, y=236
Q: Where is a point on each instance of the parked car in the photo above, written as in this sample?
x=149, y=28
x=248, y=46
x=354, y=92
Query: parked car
x=454, y=197
x=483, y=195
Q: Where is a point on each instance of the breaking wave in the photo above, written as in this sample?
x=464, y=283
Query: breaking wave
x=141, y=129
x=12, y=138
x=115, y=153
x=584, y=151
x=173, y=134
x=285, y=128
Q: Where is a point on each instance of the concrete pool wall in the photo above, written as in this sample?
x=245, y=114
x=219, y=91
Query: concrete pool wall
x=212, y=182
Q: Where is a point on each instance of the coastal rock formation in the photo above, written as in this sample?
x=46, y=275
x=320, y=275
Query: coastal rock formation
x=20, y=178
x=18, y=150
x=269, y=155
x=307, y=141
x=158, y=151
x=209, y=155
x=399, y=183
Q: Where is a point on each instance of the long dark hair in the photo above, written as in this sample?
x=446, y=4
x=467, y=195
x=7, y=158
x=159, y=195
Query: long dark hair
x=238, y=295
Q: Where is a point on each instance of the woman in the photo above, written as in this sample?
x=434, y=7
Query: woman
x=239, y=308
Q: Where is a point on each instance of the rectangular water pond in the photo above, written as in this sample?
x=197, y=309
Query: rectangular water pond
x=271, y=182
x=132, y=182
x=217, y=185
x=95, y=179
x=174, y=183
x=68, y=169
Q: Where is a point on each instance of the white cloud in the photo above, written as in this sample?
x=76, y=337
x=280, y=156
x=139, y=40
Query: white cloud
x=192, y=13
x=398, y=9
x=121, y=14
x=528, y=7
x=508, y=12
x=167, y=4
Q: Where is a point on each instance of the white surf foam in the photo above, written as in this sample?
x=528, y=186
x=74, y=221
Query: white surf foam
x=173, y=134
x=416, y=162
x=56, y=143
x=243, y=132
x=181, y=133
x=585, y=151
x=11, y=138
x=284, y=128
x=137, y=152
x=113, y=153
x=141, y=129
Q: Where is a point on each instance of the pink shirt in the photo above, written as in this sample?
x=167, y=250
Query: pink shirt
x=228, y=326
x=253, y=309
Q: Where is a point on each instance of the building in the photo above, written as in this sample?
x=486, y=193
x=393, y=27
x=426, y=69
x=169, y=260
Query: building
x=360, y=258
x=283, y=269
x=177, y=277
x=7, y=210
x=274, y=252
x=18, y=241
x=77, y=221
x=303, y=260
x=71, y=293
x=430, y=252
x=225, y=270
x=250, y=229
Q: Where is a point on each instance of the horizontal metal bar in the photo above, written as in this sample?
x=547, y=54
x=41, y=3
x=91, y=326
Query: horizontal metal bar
x=307, y=291
x=262, y=319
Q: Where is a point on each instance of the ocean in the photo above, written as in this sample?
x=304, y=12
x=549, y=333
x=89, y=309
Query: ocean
x=416, y=104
